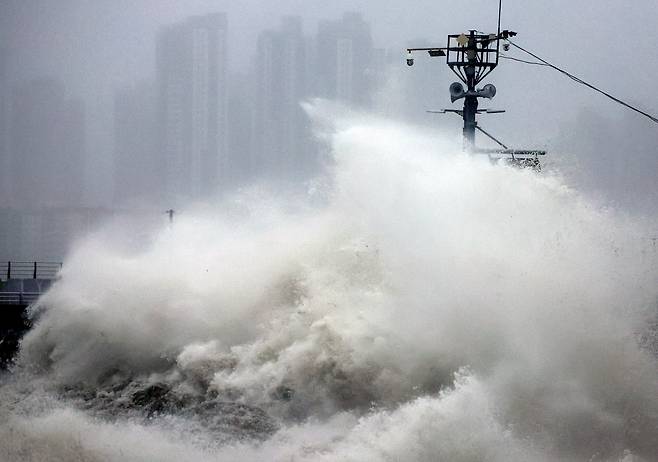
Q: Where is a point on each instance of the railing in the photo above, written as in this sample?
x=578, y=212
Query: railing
x=18, y=298
x=29, y=270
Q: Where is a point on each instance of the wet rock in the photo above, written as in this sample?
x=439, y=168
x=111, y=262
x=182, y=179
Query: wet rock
x=283, y=393
x=236, y=419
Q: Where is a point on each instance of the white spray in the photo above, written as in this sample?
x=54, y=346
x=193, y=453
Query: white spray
x=434, y=307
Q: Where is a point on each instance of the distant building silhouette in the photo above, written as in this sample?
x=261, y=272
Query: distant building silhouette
x=344, y=58
x=281, y=127
x=46, y=146
x=192, y=105
x=138, y=172
x=5, y=176
x=242, y=159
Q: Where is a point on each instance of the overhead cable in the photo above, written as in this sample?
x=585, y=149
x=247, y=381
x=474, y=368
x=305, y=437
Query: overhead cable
x=524, y=61
x=582, y=82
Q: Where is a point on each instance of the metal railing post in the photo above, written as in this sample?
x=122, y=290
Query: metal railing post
x=8, y=270
x=34, y=275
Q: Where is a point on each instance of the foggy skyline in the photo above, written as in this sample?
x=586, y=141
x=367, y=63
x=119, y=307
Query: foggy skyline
x=97, y=47
x=104, y=55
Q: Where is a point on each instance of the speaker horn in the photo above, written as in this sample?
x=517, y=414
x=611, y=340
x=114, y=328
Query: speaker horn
x=488, y=91
x=456, y=91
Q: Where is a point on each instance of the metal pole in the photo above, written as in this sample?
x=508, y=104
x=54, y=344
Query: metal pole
x=470, y=109
x=470, y=101
x=34, y=274
x=8, y=270
x=492, y=137
x=500, y=10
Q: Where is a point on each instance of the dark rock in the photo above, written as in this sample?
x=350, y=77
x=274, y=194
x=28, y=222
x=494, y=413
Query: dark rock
x=246, y=422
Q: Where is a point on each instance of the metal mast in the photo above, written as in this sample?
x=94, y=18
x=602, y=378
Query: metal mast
x=472, y=57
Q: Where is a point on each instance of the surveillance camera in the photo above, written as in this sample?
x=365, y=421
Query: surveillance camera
x=410, y=59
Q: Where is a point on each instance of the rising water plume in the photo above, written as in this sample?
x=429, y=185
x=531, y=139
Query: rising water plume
x=419, y=305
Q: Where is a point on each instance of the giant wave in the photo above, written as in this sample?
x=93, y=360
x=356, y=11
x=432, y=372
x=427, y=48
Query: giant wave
x=421, y=305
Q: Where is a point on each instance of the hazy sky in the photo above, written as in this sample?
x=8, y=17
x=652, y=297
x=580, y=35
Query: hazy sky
x=93, y=43
x=95, y=46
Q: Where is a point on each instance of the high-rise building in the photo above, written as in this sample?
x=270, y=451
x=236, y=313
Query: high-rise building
x=47, y=146
x=138, y=172
x=192, y=107
x=280, y=123
x=344, y=59
x=242, y=151
x=5, y=177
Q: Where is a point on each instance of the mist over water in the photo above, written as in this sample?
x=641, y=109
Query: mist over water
x=417, y=304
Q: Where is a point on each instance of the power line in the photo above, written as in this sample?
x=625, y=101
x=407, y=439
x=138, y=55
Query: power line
x=524, y=61
x=582, y=82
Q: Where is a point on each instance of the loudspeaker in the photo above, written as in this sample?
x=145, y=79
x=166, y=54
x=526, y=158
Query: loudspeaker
x=456, y=91
x=489, y=91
